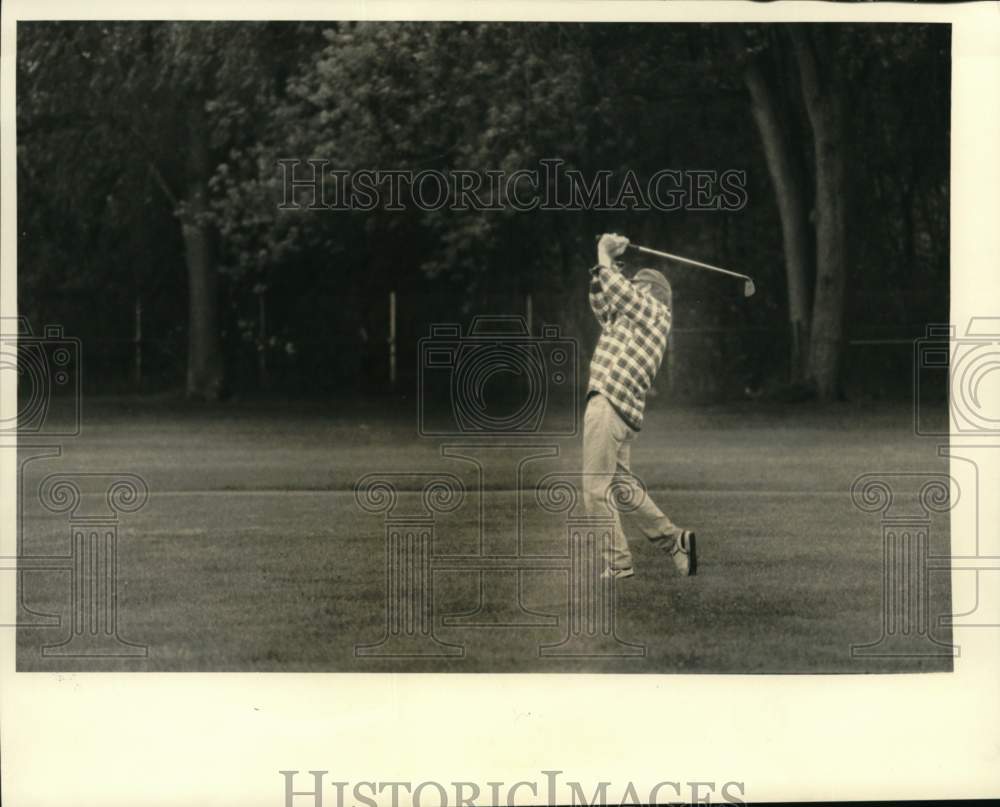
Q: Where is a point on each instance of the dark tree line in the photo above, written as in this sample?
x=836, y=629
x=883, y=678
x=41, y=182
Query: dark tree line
x=148, y=168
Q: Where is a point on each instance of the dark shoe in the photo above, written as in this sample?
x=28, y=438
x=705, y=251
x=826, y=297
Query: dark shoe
x=683, y=549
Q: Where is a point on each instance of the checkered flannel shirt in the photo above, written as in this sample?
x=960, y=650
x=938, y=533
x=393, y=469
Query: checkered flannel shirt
x=634, y=329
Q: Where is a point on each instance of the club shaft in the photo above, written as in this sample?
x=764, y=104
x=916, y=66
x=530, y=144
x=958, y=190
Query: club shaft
x=667, y=255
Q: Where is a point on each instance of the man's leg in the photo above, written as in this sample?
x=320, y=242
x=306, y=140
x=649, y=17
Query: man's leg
x=659, y=529
x=640, y=507
x=603, y=434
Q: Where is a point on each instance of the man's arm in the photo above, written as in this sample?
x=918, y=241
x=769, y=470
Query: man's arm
x=598, y=299
x=609, y=246
x=622, y=296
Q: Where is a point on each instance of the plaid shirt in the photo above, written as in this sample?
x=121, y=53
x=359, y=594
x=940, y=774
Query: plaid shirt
x=634, y=328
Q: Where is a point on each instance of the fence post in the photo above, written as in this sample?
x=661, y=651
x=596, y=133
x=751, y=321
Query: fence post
x=137, y=356
x=392, y=339
x=263, y=380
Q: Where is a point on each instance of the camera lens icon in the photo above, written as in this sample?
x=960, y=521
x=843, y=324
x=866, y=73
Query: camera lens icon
x=29, y=372
x=976, y=387
x=477, y=371
x=497, y=380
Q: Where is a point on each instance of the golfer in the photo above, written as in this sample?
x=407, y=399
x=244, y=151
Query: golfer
x=635, y=321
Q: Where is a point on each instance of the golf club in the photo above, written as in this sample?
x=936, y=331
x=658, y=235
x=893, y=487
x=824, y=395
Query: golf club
x=748, y=285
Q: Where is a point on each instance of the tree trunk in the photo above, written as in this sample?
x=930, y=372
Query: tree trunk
x=204, y=366
x=789, y=197
x=824, y=106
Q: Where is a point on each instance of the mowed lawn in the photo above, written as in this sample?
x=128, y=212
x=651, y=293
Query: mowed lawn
x=252, y=554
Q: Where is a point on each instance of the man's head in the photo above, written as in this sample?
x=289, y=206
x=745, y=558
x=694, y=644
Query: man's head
x=654, y=283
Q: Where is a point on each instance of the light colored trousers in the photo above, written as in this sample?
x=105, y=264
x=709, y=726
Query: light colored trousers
x=607, y=443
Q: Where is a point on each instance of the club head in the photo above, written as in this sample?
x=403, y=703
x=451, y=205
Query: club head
x=749, y=288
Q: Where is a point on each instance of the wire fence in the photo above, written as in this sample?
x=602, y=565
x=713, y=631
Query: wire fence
x=375, y=345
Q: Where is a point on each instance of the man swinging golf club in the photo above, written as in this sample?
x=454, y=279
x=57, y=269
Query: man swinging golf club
x=635, y=319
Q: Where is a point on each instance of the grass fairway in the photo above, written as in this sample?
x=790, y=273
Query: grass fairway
x=252, y=555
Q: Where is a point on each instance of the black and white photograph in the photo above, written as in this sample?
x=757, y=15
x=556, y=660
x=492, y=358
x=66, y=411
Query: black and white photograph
x=618, y=350
x=474, y=346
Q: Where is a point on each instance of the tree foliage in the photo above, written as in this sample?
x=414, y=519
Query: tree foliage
x=167, y=185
